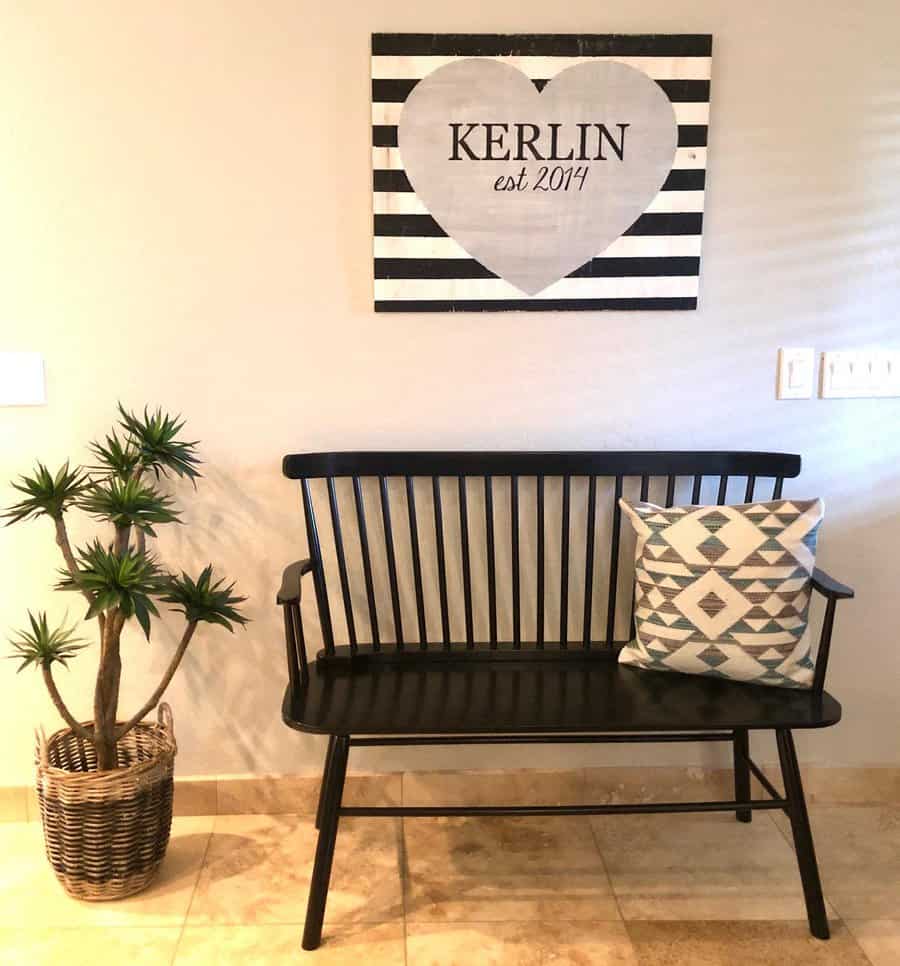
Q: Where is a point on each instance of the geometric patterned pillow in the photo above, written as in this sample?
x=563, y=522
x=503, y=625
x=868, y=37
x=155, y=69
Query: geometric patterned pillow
x=724, y=591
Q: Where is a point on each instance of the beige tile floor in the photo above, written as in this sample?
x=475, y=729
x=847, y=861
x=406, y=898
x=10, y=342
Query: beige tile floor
x=631, y=890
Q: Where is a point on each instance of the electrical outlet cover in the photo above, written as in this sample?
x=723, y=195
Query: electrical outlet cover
x=22, y=379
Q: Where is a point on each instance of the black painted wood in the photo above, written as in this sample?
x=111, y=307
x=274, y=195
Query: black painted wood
x=540, y=561
x=751, y=486
x=802, y=833
x=491, y=561
x=723, y=490
x=520, y=691
x=366, y=561
x=391, y=560
x=315, y=553
x=670, y=489
x=577, y=590
x=628, y=463
x=341, y=560
x=466, y=563
x=564, y=563
x=441, y=558
x=614, y=564
x=589, y=562
x=416, y=559
x=514, y=547
x=517, y=696
x=695, y=491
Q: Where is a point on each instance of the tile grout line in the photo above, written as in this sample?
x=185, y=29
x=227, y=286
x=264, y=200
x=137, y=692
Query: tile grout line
x=609, y=880
x=190, y=904
x=622, y=920
x=857, y=943
x=829, y=902
x=403, y=870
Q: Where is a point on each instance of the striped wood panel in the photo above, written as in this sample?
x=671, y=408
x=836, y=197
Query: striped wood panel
x=655, y=264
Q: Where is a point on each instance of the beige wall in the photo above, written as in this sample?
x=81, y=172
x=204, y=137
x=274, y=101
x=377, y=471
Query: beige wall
x=185, y=219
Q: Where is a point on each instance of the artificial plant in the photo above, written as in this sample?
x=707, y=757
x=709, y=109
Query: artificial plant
x=119, y=580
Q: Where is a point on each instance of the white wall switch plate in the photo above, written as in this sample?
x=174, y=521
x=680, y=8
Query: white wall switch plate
x=886, y=372
x=860, y=374
x=796, y=373
x=22, y=379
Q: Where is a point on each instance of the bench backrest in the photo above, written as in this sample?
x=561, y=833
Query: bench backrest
x=431, y=551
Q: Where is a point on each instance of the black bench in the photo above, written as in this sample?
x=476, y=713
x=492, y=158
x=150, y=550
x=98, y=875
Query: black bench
x=456, y=687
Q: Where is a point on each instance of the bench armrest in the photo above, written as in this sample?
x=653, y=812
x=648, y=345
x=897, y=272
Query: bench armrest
x=829, y=587
x=290, y=581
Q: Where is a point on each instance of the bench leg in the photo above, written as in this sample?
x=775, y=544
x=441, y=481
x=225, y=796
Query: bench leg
x=328, y=756
x=333, y=785
x=742, y=773
x=803, y=840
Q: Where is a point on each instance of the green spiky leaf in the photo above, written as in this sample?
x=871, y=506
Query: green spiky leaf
x=116, y=458
x=155, y=437
x=128, y=503
x=126, y=581
x=47, y=494
x=204, y=599
x=41, y=646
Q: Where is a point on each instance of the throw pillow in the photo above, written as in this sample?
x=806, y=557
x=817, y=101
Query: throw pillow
x=724, y=591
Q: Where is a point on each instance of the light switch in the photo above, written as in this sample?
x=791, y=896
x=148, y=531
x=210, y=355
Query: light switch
x=887, y=373
x=795, y=373
x=22, y=379
x=860, y=373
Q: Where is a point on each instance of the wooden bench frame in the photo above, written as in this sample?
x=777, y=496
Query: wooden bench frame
x=420, y=674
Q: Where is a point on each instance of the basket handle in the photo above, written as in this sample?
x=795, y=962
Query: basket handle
x=40, y=742
x=164, y=717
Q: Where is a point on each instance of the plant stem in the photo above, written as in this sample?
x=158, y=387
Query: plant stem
x=163, y=684
x=64, y=712
x=123, y=537
x=106, y=692
x=62, y=541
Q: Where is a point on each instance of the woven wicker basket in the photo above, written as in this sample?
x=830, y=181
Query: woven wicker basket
x=106, y=832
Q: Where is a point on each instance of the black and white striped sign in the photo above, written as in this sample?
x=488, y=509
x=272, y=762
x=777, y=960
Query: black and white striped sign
x=653, y=264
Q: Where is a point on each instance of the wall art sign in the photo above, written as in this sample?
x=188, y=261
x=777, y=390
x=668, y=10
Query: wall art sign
x=538, y=172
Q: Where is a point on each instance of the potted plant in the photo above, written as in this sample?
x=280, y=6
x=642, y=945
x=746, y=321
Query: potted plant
x=105, y=786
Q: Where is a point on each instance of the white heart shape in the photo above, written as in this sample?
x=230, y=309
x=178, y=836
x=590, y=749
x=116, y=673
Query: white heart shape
x=532, y=237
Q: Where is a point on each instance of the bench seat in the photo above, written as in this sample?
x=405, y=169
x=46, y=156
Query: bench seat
x=535, y=696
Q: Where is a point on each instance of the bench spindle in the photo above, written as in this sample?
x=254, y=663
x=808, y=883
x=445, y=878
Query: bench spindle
x=645, y=492
x=564, y=565
x=670, y=490
x=614, y=565
x=391, y=560
x=645, y=488
x=589, y=561
x=441, y=559
x=291, y=649
x=695, y=492
x=723, y=490
x=751, y=485
x=539, y=605
x=491, y=563
x=342, y=562
x=367, y=562
x=315, y=552
x=466, y=563
x=416, y=561
x=514, y=541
